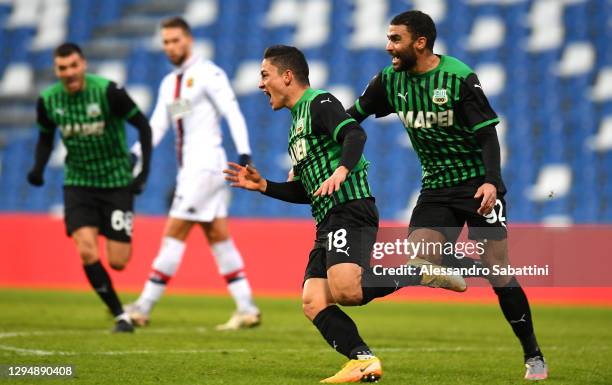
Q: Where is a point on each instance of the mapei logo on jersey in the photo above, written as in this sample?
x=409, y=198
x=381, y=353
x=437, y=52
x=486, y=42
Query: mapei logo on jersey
x=426, y=119
x=93, y=110
x=439, y=96
x=86, y=129
x=299, y=126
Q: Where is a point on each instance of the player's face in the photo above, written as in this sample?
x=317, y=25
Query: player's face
x=273, y=84
x=400, y=45
x=177, y=45
x=70, y=70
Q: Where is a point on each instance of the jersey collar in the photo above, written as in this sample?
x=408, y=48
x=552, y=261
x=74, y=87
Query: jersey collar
x=188, y=63
x=431, y=70
x=307, y=93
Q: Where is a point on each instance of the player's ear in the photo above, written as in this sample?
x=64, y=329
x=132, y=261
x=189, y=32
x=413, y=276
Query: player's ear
x=420, y=43
x=287, y=77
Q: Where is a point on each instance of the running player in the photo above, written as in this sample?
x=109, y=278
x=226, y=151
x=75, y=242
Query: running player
x=195, y=96
x=98, y=185
x=451, y=125
x=330, y=174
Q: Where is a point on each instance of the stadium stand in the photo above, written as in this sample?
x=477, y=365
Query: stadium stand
x=545, y=65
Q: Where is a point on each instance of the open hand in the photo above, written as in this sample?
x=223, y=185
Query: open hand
x=245, y=177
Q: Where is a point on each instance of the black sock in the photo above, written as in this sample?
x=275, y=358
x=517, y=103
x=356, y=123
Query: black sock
x=101, y=283
x=373, y=286
x=515, y=306
x=340, y=332
x=467, y=263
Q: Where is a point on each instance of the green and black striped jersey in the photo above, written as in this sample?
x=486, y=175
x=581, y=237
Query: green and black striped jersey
x=92, y=127
x=318, y=121
x=441, y=111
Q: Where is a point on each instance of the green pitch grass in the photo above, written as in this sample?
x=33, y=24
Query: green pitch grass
x=418, y=343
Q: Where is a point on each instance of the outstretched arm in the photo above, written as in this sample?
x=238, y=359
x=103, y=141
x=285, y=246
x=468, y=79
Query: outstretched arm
x=249, y=178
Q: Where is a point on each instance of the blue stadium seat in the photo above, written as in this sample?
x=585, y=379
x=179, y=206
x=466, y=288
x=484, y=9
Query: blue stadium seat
x=548, y=117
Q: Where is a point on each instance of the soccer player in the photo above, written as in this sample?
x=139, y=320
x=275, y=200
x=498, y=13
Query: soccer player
x=451, y=125
x=195, y=96
x=98, y=184
x=330, y=173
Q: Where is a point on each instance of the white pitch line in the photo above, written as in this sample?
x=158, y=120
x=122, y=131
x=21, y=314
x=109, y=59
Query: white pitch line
x=29, y=352
x=40, y=352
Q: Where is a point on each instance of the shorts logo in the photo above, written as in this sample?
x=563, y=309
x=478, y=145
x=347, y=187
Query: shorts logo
x=439, y=96
x=93, y=110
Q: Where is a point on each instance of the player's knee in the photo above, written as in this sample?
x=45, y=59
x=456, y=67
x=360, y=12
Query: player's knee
x=88, y=253
x=312, y=307
x=215, y=236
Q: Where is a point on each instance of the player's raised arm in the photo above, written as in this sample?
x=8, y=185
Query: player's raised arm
x=44, y=146
x=373, y=101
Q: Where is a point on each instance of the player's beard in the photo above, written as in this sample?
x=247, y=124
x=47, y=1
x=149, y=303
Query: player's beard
x=408, y=60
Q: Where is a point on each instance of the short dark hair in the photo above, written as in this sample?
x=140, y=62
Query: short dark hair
x=67, y=49
x=419, y=24
x=289, y=58
x=177, y=22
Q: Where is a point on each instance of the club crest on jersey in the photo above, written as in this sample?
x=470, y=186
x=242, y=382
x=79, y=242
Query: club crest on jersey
x=93, y=110
x=299, y=126
x=190, y=82
x=439, y=96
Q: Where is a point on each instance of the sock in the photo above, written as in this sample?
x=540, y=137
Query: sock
x=123, y=317
x=340, y=332
x=101, y=283
x=231, y=267
x=164, y=267
x=515, y=306
x=373, y=286
x=467, y=263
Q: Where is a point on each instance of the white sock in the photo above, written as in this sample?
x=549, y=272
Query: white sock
x=241, y=292
x=164, y=267
x=230, y=265
x=123, y=316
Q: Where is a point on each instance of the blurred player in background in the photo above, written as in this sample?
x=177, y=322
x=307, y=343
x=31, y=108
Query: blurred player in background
x=451, y=125
x=195, y=96
x=330, y=173
x=98, y=184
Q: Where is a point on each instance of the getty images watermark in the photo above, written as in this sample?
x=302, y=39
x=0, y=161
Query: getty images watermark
x=392, y=258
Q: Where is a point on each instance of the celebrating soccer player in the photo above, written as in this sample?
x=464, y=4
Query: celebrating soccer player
x=451, y=125
x=98, y=184
x=194, y=97
x=330, y=174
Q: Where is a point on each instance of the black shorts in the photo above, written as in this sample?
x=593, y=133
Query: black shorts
x=108, y=209
x=347, y=234
x=449, y=209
